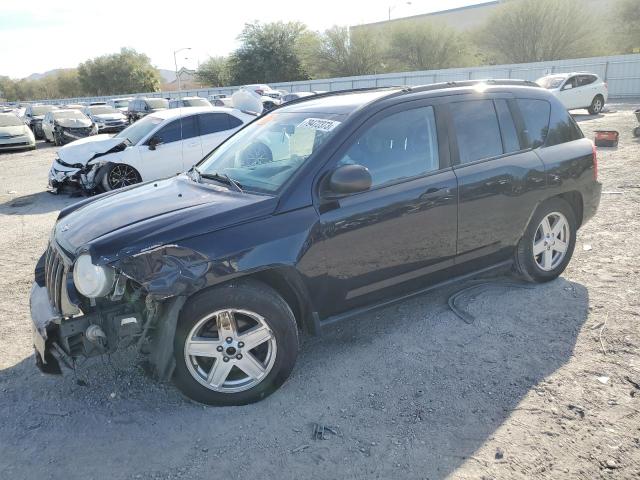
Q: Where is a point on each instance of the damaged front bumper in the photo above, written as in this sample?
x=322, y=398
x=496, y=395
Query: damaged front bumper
x=62, y=175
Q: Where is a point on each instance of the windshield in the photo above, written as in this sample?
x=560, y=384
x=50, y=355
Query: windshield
x=196, y=102
x=552, y=81
x=99, y=110
x=265, y=154
x=42, y=109
x=121, y=103
x=10, y=121
x=136, y=132
x=158, y=102
x=69, y=114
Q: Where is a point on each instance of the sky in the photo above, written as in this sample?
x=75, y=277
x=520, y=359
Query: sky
x=40, y=35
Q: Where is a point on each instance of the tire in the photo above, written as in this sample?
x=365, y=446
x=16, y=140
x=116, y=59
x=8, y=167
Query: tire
x=597, y=104
x=636, y=132
x=222, y=307
x=126, y=173
x=57, y=139
x=545, y=262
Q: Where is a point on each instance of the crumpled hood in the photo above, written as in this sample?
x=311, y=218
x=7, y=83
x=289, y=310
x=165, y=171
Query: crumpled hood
x=108, y=116
x=83, y=150
x=13, y=131
x=119, y=224
x=73, y=122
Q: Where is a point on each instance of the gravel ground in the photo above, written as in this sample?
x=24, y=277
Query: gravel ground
x=544, y=384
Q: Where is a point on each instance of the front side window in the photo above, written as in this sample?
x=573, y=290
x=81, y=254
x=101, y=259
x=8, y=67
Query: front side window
x=400, y=146
x=476, y=128
x=139, y=130
x=264, y=155
x=535, y=114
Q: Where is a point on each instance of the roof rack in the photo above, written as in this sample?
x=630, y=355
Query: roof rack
x=402, y=89
x=337, y=92
x=471, y=83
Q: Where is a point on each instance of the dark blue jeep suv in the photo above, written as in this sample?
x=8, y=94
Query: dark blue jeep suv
x=329, y=206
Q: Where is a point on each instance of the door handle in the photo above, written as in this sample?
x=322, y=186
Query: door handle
x=191, y=145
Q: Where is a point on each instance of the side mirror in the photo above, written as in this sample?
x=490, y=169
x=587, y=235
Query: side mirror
x=153, y=142
x=348, y=179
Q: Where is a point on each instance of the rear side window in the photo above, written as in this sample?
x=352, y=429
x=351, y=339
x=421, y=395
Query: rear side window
x=213, y=122
x=510, y=140
x=563, y=128
x=586, y=80
x=535, y=114
x=233, y=121
x=400, y=146
x=477, y=130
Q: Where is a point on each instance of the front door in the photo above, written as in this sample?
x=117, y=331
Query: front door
x=171, y=152
x=386, y=240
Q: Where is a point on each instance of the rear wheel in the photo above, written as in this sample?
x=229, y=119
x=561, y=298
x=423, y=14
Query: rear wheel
x=546, y=247
x=119, y=175
x=234, y=344
x=597, y=104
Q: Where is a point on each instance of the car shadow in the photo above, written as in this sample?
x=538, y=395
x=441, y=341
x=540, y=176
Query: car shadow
x=35, y=203
x=409, y=391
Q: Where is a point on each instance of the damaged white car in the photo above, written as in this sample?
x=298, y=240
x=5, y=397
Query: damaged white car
x=160, y=145
x=64, y=126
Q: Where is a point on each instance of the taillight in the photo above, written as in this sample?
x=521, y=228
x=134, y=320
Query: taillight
x=595, y=163
x=606, y=87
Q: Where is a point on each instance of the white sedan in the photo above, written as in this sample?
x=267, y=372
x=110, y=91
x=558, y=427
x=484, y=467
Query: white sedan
x=14, y=134
x=159, y=145
x=577, y=90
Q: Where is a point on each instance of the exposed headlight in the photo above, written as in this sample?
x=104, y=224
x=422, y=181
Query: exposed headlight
x=91, y=280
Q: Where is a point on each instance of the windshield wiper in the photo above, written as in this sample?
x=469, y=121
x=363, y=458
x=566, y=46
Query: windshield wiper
x=221, y=177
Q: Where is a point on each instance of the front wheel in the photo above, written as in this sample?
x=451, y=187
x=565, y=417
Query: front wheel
x=119, y=175
x=546, y=247
x=234, y=344
x=597, y=104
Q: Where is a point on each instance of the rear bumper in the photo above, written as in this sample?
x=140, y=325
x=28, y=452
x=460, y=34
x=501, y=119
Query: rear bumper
x=591, y=201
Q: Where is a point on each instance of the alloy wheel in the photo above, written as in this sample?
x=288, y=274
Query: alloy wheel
x=122, y=176
x=551, y=241
x=230, y=350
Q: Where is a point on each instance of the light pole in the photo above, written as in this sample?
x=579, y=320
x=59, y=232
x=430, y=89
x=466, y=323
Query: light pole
x=391, y=7
x=175, y=61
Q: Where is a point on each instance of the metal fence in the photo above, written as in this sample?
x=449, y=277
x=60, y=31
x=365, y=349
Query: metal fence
x=621, y=72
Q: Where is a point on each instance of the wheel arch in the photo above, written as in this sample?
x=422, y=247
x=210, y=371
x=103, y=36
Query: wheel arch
x=286, y=282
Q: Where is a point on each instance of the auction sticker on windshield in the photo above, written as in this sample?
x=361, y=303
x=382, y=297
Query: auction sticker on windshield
x=319, y=124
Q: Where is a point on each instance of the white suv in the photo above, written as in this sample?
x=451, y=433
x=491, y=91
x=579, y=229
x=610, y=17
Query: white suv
x=577, y=90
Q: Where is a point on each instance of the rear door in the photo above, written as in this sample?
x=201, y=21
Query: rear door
x=498, y=175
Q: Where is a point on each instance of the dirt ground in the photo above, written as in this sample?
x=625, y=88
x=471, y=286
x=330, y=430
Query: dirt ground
x=544, y=384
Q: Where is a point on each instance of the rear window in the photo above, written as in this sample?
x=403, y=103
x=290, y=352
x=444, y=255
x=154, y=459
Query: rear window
x=477, y=130
x=535, y=114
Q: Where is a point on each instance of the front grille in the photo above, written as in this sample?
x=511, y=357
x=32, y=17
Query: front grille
x=80, y=130
x=54, y=276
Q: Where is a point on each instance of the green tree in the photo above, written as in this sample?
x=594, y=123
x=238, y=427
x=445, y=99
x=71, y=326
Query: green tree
x=426, y=46
x=267, y=53
x=538, y=30
x=627, y=19
x=338, y=53
x=214, y=72
x=118, y=73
